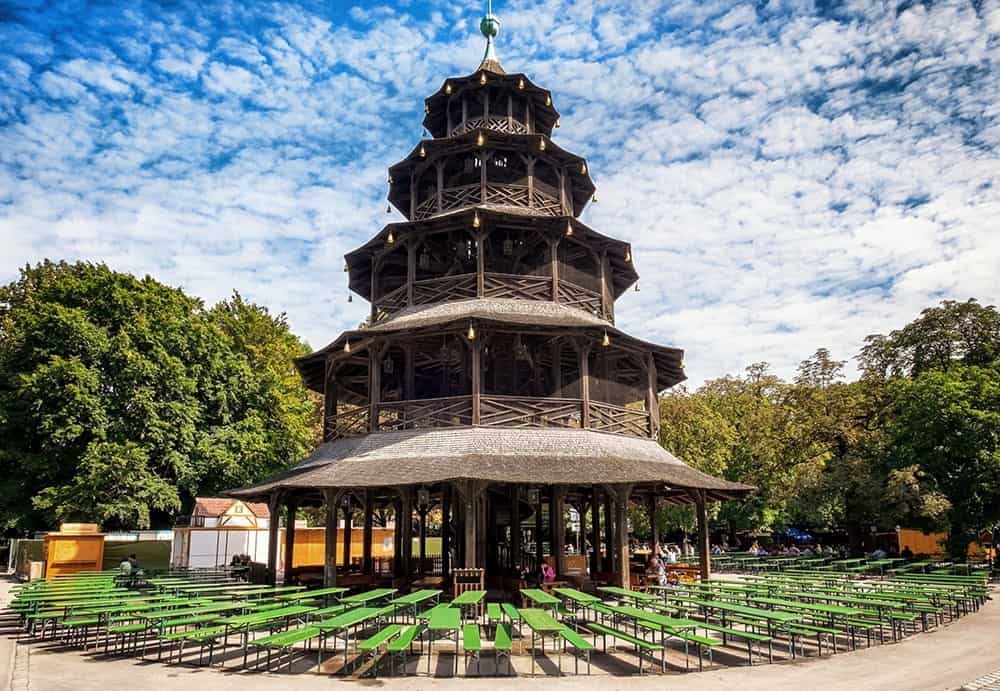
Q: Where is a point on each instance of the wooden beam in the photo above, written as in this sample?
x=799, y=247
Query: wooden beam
x=366, y=548
x=595, y=530
x=539, y=551
x=331, y=498
x=652, y=397
x=704, y=548
x=558, y=528
x=515, y=526
x=651, y=503
x=407, y=508
x=477, y=375
x=583, y=353
x=348, y=519
x=274, y=506
x=446, y=530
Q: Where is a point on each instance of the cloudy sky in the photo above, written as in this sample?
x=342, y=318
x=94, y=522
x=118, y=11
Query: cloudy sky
x=791, y=174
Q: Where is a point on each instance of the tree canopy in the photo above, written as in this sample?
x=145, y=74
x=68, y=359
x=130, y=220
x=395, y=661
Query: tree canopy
x=122, y=398
x=913, y=442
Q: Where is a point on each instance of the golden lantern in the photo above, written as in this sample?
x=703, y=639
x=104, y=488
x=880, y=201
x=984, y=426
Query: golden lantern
x=557, y=122
x=606, y=341
x=637, y=286
x=594, y=198
x=346, y=267
x=520, y=83
x=347, y=346
x=541, y=144
x=475, y=220
x=548, y=100
x=423, y=151
x=628, y=254
x=482, y=79
x=569, y=229
x=583, y=168
x=388, y=208
x=391, y=239
x=447, y=88
x=472, y=332
x=480, y=139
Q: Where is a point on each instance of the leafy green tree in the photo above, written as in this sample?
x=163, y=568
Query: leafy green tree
x=945, y=449
x=122, y=398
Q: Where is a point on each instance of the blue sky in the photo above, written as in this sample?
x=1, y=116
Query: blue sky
x=791, y=174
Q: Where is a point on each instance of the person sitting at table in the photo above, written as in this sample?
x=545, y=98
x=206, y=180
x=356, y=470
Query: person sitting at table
x=547, y=572
x=655, y=573
x=673, y=579
x=671, y=555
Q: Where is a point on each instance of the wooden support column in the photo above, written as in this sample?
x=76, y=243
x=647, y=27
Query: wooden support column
x=470, y=491
x=609, y=535
x=480, y=264
x=446, y=531
x=704, y=548
x=409, y=373
x=564, y=207
x=465, y=113
x=595, y=531
x=330, y=402
x=557, y=383
x=531, y=182
x=413, y=196
x=397, y=537
x=422, y=512
x=411, y=267
x=477, y=376
x=292, y=508
x=374, y=385
x=539, y=551
x=331, y=499
x=407, y=536
x=348, y=519
x=440, y=186
x=554, y=263
x=652, y=397
x=515, y=526
x=583, y=352
x=274, y=506
x=367, y=565
x=654, y=539
x=605, y=288
x=510, y=111
x=621, y=494
x=483, y=158
x=558, y=528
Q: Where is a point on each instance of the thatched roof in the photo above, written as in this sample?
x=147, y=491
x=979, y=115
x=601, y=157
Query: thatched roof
x=525, y=313
x=542, y=456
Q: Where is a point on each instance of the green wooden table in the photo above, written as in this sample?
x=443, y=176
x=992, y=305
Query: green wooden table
x=242, y=623
x=369, y=596
x=542, y=624
x=343, y=623
x=540, y=597
x=627, y=593
x=447, y=619
x=412, y=601
x=470, y=598
x=325, y=593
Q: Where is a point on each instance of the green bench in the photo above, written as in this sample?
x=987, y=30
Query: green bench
x=371, y=645
x=640, y=644
x=503, y=644
x=402, y=645
x=749, y=636
x=493, y=612
x=510, y=611
x=472, y=645
x=579, y=644
x=283, y=641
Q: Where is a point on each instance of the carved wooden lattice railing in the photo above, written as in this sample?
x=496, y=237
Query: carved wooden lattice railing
x=572, y=295
x=513, y=286
x=605, y=417
x=456, y=287
x=426, y=208
x=391, y=302
x=539, y=201
x=516, y=411
x=497, y=123
x=454, y=411
x=545, y=204
x=351, y=423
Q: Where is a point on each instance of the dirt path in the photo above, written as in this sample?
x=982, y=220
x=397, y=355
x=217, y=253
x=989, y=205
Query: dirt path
x=943, y=659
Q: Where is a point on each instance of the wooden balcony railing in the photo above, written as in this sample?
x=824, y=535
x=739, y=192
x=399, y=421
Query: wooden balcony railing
x=454, y=411
x=543, y=200
x=351, y=423
x=495, y=285
x=517, y=411
x=497, y=123
x=605, y=417
x=494, y=411
x=572, y=295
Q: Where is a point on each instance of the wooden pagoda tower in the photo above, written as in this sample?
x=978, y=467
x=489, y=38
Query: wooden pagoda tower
x=490, y=381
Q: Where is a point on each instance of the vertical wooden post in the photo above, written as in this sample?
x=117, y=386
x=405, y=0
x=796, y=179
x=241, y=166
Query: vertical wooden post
x=411, y=267
x=554, y=262
x=654, y=539
x=440, y=186
x=374, y=288
x=407, y=507
x=483, y=157
x=486, y=107
x=274, y=506
x=331, y=498
x=446, y=531
x=374, y=385
x=469, y=496
x=397, y=537
x=583, y=352
x=539, y=551
x=330, y=402
x=348, y=519
x=609, y=535
x=557, y=383
x=367, y=566
x=413, y=196
x=480, y=263
x=563, y=206
x=423, y=539
x=409, y=373
x=292, y=509
x=515, y=526
x=465, y=113
x=531, y=182
x=595, y=531
x=621, y=534
x=558, y=528
x=605, y=289
x=477, y=373
x=652, y=397
x=704, y=548
x=510, y=111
